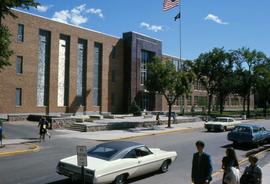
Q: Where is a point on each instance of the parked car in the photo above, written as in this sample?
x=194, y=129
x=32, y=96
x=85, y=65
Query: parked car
x=117, y=161
x=249, y=134
x=221, y=124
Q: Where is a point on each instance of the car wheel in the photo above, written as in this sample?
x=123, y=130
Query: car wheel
x=225, y=128
x=165, y=166
x=222, y=129
x=121, y=179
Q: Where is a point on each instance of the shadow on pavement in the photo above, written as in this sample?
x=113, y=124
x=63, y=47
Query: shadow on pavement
x=143, y=177
x=240, y=147
x=63, y=181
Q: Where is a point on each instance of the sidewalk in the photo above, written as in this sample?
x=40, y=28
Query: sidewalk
x=266, y=175
x=129, y=133
x=17, y=146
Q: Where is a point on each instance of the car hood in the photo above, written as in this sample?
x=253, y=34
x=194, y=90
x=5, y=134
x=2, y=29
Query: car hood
x=92, y=162
x=216, y=123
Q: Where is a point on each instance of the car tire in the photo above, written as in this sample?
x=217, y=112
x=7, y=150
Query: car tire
x=225, y=128
x=121, y=179
x=165, y=166
x=222, y=129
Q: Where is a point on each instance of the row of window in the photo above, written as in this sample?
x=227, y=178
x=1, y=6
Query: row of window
x=19, y=98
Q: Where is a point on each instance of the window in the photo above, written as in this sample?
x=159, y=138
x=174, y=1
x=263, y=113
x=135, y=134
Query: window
x=105, y=153
x=113, y=52
x=18, y=97
x=142, y=151
x=113, y=75
x=97, y=74
x=20, y=36
x=81, y=71
x=146, y=57
x=131, y=154
x=189, y=100
x=19, y=64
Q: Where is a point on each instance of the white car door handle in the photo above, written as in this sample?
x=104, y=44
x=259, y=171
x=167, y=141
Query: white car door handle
x=139, y=162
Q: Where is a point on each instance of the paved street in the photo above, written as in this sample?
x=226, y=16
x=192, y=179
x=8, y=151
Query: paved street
x=40, y=167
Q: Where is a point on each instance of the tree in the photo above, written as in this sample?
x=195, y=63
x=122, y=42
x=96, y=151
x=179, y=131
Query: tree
x=246, y=61
x=262, y=83
x=5, y=10
x=164, y=79
x=211, y=69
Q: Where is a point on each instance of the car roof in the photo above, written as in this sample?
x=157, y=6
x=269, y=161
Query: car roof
x=249, y=125
x=120, y=145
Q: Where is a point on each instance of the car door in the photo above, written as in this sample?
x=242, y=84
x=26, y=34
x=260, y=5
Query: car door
x=256, y=135
x=264, y=133
x=146, y=159
x=130, y=163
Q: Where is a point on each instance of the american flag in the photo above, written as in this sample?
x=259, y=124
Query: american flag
x=169, y=4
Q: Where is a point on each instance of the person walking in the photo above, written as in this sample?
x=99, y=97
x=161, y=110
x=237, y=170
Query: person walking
x=229, y=161
x=43, y=125
x=201, y=165
x=252, y=173
x=157, y=119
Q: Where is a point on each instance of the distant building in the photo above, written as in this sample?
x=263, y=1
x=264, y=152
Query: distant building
x=62, y=68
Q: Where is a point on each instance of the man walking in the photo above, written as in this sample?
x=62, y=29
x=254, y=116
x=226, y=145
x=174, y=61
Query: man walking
x=201, y=166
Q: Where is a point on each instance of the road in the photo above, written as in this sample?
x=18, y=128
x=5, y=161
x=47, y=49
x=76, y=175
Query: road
x=39, y=167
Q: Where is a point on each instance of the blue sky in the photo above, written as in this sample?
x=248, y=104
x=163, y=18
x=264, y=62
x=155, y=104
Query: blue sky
x=205, y=23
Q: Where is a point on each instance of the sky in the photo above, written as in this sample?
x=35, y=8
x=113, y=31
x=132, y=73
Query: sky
x=205, y=24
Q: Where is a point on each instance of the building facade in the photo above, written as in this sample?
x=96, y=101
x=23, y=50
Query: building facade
x=61, y=68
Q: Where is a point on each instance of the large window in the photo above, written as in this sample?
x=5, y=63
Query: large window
x=20, y=36
x=63, y=71
x=43, y=68
x=97, y=74
x=18, y=97
x=81, y=71
x=19, y=64
x=146, y=57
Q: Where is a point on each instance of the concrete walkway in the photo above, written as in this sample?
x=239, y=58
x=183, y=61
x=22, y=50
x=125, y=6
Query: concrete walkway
x=266, y=174
x=129, y=133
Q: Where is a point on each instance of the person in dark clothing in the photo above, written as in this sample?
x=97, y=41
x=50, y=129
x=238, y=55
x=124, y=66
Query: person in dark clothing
x=252, y=173
x=201, y=166
x=230, y=160
x=43, y=125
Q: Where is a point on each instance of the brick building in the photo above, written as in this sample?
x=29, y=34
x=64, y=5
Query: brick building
x=62, y=68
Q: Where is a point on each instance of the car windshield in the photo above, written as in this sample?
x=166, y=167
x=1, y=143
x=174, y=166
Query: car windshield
x=242, y=129
x=105, y=153
x=220, y=120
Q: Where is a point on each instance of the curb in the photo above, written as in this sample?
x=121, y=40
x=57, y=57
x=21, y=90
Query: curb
x=34, y=148
x=241, y=162
x=150, y=134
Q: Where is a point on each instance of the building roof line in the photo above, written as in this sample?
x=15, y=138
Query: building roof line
x=87, y=29
x=177, y=57
x=146, y=36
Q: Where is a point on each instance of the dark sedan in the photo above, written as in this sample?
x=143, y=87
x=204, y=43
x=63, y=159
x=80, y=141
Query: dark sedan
x=249, y=134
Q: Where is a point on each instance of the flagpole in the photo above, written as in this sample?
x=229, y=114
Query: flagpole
x=180, y=31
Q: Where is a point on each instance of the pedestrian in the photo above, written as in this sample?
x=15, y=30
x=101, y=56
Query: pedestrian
x=252, y=173
x=229, y=165
x=174, y=117
x=201, y=165
x=43, y=125
x=157, y=119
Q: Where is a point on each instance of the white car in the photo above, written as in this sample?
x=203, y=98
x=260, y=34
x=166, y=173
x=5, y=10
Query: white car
x=221, y=124
x=117, y=161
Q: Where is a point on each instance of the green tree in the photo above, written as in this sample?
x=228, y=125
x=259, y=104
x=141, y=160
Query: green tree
x=5, y=10
x=246, y=61
x=211, y=69
x=262, y=83
x=164, y=79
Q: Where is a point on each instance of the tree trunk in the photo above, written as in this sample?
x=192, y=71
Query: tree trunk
x=169, y=115
x=264, y=108
x=244, y=105
x=221, y=105
x=209, y=104
x=248, y=105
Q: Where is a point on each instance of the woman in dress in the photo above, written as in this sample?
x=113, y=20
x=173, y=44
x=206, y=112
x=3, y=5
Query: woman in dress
x=230, y=160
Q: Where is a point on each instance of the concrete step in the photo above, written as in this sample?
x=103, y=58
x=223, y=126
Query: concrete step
x=78, y=127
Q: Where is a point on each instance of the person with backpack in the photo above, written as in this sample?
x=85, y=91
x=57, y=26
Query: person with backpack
x=252, y=173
